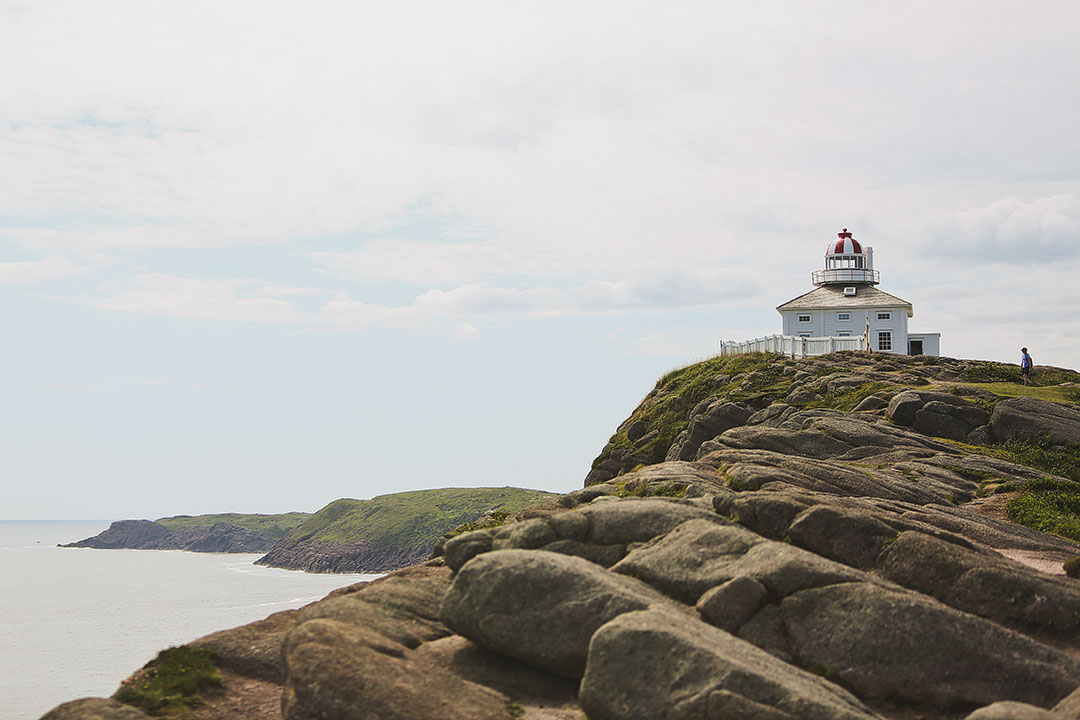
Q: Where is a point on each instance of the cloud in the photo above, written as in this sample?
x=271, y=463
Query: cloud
x=36, y=272
x=1012, y=231
x=185, y=297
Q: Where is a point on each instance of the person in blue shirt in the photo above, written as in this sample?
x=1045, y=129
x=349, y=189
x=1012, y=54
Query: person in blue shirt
x=1025, y=365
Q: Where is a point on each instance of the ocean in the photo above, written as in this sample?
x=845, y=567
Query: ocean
x=75, y=622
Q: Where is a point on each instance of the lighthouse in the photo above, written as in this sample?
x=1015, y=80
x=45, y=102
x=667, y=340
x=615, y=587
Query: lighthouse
x=845, y=311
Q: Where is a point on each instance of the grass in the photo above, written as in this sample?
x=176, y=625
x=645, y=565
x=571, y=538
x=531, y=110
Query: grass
x=992, y=372
x=273, y=526
x=1049, y=505
x=1052, y=506
x=1050, y=393
x=169, y=685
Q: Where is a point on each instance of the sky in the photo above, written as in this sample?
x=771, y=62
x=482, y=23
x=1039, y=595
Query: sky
x=257, y=256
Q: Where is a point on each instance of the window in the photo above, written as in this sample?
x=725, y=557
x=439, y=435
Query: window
x=804, y=334
x=804, y=318
x=843, y=333
x=843, y=316
x=884, y=316
x=884, y=340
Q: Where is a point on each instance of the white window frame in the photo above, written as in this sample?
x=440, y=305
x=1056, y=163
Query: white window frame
x=843, y=316
x=884, y=340
x=804, y=318
x=884, y=316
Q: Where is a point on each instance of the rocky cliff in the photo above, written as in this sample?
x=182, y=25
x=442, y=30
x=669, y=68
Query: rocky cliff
x=226, y=533
x=763, y=538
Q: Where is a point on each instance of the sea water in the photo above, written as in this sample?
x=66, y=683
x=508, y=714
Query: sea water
x=75, y=622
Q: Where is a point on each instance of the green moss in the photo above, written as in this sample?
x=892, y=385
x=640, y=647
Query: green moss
x=991, y=372
x=514, y=709
x=272, y=526
x=488, y=521
x=170, y=684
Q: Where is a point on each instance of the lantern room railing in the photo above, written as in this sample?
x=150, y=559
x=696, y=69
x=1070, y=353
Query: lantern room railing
x=845, y=275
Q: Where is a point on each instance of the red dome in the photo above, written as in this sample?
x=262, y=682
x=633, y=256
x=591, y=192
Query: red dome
x=846, y=245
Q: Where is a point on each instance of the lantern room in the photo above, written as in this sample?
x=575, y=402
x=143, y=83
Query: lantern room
x=847, y=262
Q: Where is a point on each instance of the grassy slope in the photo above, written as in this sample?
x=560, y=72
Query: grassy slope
x=272, y=526
x=409, y=518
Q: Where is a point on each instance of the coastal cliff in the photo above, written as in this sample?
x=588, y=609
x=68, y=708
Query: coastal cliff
x=223, y=533
x=847, y=536
x=389, y=532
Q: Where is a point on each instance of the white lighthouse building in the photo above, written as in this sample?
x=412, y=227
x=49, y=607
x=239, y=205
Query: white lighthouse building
x=845, y=311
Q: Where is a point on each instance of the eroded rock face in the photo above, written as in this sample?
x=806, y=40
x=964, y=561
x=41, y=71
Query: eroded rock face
x=936, y=657
x=655, y=665
x=1026, y=417
x=540, y=607
x=94, y=709
x=345, y=671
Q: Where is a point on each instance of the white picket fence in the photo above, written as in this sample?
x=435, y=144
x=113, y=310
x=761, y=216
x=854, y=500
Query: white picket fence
x=792, y=346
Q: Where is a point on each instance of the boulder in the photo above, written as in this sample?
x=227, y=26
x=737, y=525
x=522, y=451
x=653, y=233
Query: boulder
x=984, y=583
x=897, y=645
x=1009, y=710
x=252, y=650
x=95, y=709
x=633, y=520
x=698, y=556
x=949, y=420
x=1026, y=417
x=847, y=536
x=717, y=417
x=462, y=548
x=402, y=606
x=1069, y=707
x=729, y=605
x=656, y=665
x=341, y=671
x=540, y=607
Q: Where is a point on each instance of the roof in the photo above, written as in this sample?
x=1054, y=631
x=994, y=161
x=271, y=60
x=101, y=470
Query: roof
x=828, y=297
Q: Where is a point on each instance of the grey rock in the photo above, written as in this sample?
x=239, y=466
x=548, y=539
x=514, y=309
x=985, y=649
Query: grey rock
x=654, y=665
x=955, y=659
x=766, y=630
x=540, y=607
x=632, y=520
x=402, y=606
x=1021, y=417
x=1010, y=710
x=1069, y=707
x=459, y=549
x=850, y=537
x=699, y=555
x=949, y=420
x=94, y=709
x=729, y=605
x=602, y=555
x=984, y=583
x=903, y=406
x=347, y=672
x=718, y=417
x=252, y=650
x=871, y=402
x=527, y=534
